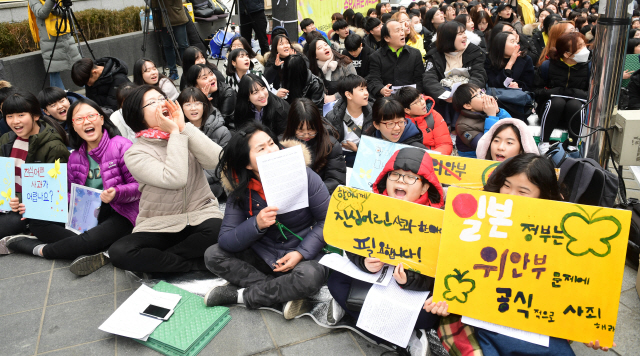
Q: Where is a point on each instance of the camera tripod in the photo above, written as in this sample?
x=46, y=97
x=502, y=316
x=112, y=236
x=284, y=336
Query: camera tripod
x=145, y=31
x=68, y=19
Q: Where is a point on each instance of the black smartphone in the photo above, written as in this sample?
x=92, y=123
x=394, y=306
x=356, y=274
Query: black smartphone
x=157, y=312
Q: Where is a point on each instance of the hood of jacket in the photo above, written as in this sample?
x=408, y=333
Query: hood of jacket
x=306, y=153
x=410, y=130
x=419, y=162
x=527, y=141
x=112, y=66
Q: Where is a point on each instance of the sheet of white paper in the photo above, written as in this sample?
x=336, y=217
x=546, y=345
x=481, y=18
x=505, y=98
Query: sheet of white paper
x=391, y=312
x=395, y=88
x=127, y=321
x=349, y=170
x=446, y=95
x=507, y=82
x=344, y=266
x=284, y=179
x=542, y=340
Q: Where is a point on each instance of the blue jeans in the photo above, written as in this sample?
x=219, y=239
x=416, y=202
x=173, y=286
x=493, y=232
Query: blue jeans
x=55, y=80
x=180, y=33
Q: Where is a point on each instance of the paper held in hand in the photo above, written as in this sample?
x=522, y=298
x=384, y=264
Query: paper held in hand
x=83, y=209
x=284, y=179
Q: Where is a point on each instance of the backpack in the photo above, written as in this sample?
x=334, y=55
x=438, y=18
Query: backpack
x=518, y=103
x=587, y=183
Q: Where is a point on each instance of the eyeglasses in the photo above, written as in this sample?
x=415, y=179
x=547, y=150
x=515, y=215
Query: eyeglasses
x=91, y=117
x=197, y=104
x=391, y=125
x=303, y=134
x=480, y=94
x=395, y=176
x=155, y=102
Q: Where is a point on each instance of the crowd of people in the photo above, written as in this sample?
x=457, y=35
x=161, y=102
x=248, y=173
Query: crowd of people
x=166, y=156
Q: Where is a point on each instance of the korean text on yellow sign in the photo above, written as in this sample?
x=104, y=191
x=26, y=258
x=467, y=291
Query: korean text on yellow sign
x=462, y=171
x=543, y=266
x=392, y=230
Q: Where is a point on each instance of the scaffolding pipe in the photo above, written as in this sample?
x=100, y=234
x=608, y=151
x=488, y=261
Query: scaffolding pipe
x=607, y=67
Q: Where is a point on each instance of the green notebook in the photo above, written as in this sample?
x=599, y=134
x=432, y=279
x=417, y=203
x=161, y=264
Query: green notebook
x=191, y=327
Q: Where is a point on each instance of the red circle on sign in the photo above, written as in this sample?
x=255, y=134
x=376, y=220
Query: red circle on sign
x=465, y=205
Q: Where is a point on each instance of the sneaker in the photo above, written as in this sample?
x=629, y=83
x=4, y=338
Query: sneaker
x=174, y=76
x=5, y=241
x=418, y=343
x=295, y=308
x=225, y=294
x=85, y=265
x=543, y=147
x=335, y=313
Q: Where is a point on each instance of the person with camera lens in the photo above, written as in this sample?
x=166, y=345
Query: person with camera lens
x=49, y=28
x=178, y=21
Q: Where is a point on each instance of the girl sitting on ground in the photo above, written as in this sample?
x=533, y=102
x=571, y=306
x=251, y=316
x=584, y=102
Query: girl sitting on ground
x=256, y=102
x=239, y=64
x=268, y=258
x=257, y=61
x=389, y=124
x=506, y=138
x=96, y=162
x=221, y=96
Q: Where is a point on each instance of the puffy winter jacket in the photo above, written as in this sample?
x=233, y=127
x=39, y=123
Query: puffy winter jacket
x=361, y=63
x=277, y=123
x=250, y=6
x=215, y=130
x=419, y=162
x=104, y=90
x=337, y=75
x=557, y=78
x=336, y=117
x=471, y=126
x=473, y=58
x=371, y=42
x=44, y=147
x=314, y=90
x=224, y=99
x=110, y=157
x=239, y=229
x=385, y=67
x=436, y=136
x=522, y=73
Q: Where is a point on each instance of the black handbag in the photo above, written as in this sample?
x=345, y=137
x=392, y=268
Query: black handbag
x=202, y=9
x=357, y=294
x=218, y=8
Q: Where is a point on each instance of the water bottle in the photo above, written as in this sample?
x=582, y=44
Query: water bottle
x=142, y=19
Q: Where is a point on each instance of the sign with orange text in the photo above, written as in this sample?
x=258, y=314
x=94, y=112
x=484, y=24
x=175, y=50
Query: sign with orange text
x=547, y=267
x=392, y=230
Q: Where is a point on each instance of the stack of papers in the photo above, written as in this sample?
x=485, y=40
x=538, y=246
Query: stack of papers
x=127, y=320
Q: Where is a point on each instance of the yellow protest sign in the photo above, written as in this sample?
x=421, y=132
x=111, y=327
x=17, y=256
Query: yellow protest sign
x=392, y=230
x=548, y=267
x=463, y=172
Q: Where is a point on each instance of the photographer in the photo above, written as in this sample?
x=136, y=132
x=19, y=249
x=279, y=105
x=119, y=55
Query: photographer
x=178, y=20
x=49, y=18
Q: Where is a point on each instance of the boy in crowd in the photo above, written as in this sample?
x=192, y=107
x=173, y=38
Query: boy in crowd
x=340, y=33
x=351, y=114
x=307, y=25
x=373, y=39
x=101, y=80
x=355, y=49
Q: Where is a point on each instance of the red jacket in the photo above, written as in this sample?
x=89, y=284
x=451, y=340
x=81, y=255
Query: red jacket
x=438, y=137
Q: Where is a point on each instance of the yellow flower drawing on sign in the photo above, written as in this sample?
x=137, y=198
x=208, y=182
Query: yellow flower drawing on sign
x=53, y=172
x=366, y=174
x=6, y=195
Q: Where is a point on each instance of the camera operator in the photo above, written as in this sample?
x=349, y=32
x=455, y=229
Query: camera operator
x=178, y=20
x=49, y=18
x=252, y=17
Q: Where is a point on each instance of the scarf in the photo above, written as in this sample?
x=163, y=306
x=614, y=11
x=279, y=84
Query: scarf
x=256, y=186
x=153, y=133
x=328, y=67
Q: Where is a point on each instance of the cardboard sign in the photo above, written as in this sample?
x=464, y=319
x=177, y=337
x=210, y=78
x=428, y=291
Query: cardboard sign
x=392, y=230
x=44, y=191
x=373, y=154
x=543, y=266
x=7, y=182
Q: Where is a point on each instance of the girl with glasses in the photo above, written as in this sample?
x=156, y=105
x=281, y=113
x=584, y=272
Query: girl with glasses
x=96, y=162
x=389, y=124
x=305, y=123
